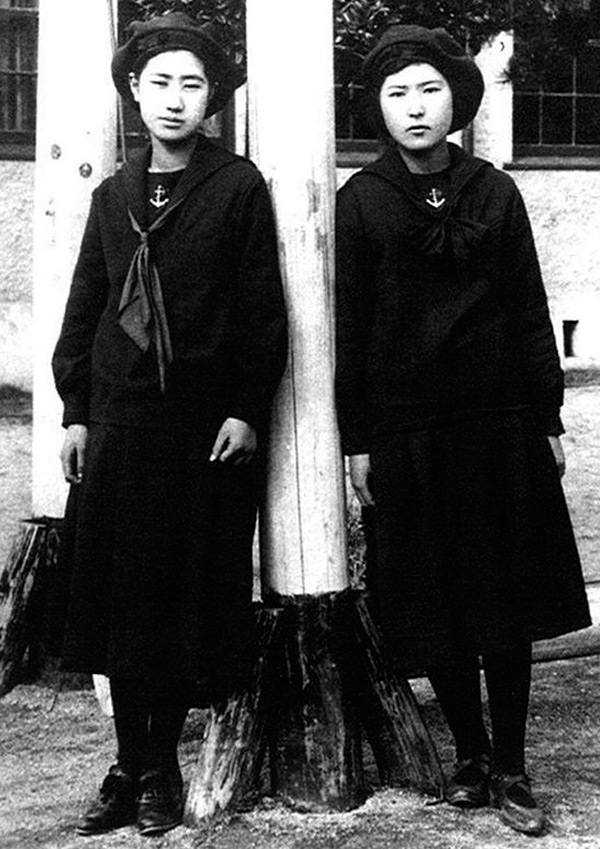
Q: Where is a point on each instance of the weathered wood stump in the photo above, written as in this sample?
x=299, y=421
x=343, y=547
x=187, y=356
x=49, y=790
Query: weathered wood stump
x=322, y=679
x=22, y=594
x=401, y=743
x=231, y=750
x=314, y=733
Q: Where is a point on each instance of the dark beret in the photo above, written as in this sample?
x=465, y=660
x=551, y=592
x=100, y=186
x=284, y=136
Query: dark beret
x=176, y=31
x=404, y=44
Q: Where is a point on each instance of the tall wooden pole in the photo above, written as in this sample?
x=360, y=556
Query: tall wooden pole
x=75, y=150
x=324, y=668
x=291, y=125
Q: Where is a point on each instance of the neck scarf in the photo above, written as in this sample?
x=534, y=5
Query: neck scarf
x=141, y=309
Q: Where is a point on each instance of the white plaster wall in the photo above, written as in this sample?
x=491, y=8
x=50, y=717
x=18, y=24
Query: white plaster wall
x=564, y=207
x=16, y=255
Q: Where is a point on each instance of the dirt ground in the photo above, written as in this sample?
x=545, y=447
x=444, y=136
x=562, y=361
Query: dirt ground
x=54, y=750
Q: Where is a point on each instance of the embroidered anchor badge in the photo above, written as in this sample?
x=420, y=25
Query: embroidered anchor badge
x=435, y=199
x=160, y=197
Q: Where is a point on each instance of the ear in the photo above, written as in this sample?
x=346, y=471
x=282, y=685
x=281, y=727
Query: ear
x=134, y=85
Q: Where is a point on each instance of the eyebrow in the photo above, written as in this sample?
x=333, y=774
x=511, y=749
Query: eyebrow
x=165, y=76
x=424, y=83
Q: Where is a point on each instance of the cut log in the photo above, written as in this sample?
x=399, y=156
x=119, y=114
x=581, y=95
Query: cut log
x=233, y=743
x=576, y=644
x=402, y=746
x=28, y=552
x=315, y=740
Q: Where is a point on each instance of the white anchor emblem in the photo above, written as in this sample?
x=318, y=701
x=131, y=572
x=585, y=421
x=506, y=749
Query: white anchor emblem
x=160, y=197
x=435, y=200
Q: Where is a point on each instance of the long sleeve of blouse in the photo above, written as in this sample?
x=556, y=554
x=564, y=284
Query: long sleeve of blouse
x=354, y=324
x=87, y=299
x=259, y=328
x=527, y=303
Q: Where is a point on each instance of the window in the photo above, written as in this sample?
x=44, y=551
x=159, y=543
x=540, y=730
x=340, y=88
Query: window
x=18, y=77
x=356, y=141
x=557, y=112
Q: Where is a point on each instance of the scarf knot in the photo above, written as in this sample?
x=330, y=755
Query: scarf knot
x=141, y=310
x=460, y=235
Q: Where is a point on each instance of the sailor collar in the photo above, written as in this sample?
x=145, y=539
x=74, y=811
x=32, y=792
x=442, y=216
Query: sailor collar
x=439, y=229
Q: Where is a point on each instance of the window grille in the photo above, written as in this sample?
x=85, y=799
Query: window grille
x=557, y=113
x=18, y=73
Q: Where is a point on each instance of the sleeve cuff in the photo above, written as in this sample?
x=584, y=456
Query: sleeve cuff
x=75, y=411
x=549, y=421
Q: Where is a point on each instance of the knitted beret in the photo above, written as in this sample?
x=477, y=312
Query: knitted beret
x=176, y=31
x=404, y=44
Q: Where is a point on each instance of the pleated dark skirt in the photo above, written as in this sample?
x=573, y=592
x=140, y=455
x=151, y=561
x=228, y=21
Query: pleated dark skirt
x=473, y=545
x=156, y=559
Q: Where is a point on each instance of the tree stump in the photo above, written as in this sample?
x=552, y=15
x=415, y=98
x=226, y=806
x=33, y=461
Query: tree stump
x=21, y=595
x=321, y=677
x=404, y=751
x=315, y=740
x=231, y=749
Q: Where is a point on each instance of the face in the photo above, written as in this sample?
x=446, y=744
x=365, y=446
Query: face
x=173, y=92
x=416, y=104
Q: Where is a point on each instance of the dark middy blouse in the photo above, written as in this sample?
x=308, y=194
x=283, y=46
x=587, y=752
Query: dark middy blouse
x=219, y=273
x=441, y=308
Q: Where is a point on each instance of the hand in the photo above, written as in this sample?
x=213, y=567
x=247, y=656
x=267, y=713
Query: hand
x=235, y=443
x=559, y=454
x=72, y=455
x=360, y=471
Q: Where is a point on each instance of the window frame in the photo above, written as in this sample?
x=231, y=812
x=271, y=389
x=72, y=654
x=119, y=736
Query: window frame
x=570, y=152
x=19, y=144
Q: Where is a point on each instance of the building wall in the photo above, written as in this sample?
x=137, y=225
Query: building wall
x=564, y=207
x=16, y=259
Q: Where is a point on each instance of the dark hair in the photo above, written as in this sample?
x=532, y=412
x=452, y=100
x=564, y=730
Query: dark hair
x=147, y=52
x=371, y=106
x=403, y=45
x=176, y=31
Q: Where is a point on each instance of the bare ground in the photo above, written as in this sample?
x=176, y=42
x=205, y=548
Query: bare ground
x=55, y=750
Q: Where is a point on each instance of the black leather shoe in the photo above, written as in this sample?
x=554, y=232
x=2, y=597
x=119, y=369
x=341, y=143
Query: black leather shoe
x=160, y=804
x=511, y=794
x=469, y=786
x=115, y=805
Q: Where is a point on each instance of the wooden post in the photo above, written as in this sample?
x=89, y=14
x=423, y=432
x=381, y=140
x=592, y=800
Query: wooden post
x=312, y=721
x=75, y=150
x=315, y=753
x=291, y=127
x=302, y=524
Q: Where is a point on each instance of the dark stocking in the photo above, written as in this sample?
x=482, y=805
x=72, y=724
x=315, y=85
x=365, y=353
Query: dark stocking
x=149, y=717
x=131, y=708
x=458, y=690
x=170, y=704
x=508, y=680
